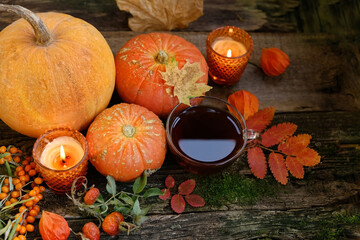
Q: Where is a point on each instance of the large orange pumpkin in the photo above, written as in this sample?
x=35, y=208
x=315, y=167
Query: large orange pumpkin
x=125, y=140
x=57, y=71
x=141, y=62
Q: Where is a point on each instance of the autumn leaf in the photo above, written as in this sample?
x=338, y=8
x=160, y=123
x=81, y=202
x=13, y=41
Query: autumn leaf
x=166, y=195
x=295, y=168
x=295, y=144
x=187, y=187
x=184, y=80
x=277, y=133
x=278, y=167
x=195, y=200
x=178, y=203
x=169, y=182
x=245, y=102
x=308, y=157
x=260, y=120
x=257, y=162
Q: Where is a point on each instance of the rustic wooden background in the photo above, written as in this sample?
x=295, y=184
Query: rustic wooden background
x=320, y=92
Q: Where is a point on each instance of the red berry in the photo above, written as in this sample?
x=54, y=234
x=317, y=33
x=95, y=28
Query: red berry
x=91, y=196
x=91, y=231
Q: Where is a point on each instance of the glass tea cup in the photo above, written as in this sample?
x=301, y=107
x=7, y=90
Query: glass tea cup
x=206, y=136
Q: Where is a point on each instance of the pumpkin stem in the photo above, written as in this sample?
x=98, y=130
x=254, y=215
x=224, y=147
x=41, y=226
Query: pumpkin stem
x=162, y=57
x=128, y=131
x=42, y=33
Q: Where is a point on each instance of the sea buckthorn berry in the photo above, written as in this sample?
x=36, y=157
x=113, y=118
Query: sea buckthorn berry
x=22, y=230
x=18, y=186
x=32, y=172
x=22, y=237
x=16, y=238
x=22, y=179
x=33, y=212
x=29, y=203
x=7, y=203
x=30, y=219
x=15, y=194
x=91, y=196
x=26, y=196
x=42, y=189
x=5, y=189
x=8, y=158
x=3, y=196
x=27, y=168
x=29, y=227
x=36, y=208
x=18, y=227
x=38, y=180
x=32, y=193
x=2, y=149
x=13, y=150
x=27, y=178
x=22, y=209
x=19, y=168
x=6, y=181
x=13, y=200
x=25, y=162
x=16, y=159
x=36, y=189
x=2, y=161
x=33, y=165
x=40, y=196
x=15, y=181
x=21, y=173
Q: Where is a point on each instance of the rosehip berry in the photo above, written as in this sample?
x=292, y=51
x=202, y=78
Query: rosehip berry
x=91, y=196
x=91, y=231
x=112, y=222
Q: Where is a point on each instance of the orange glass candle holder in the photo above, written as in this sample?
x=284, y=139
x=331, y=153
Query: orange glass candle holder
x=226, y=67
x=61, y=156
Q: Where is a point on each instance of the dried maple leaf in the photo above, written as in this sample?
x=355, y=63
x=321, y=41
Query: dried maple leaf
x=187, y=187
x=308, y=157
x=158, y=15
x=257, y=162
x=260, y=120
x=277, y=133
x=278, y=167
x=245, y=102
x=295, y=144
x=177, y=203
x=169, y=182
x=166, y=195
x=195, y=200
x=184, y=80
x=295, y=168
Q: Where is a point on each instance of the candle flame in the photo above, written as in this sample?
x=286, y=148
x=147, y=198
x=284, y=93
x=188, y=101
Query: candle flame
x=62, y=153
x=228, y=54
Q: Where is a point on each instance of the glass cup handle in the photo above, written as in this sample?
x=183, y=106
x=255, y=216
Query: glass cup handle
x=250, y=135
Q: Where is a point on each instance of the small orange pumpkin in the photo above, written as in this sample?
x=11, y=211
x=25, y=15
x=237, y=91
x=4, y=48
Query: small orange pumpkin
x=125, y=140
x=274, y=61
x=141, y=63
x=57, y=71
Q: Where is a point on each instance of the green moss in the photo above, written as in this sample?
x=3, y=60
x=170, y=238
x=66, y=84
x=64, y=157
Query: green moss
x=337, y=227
x=234, y=188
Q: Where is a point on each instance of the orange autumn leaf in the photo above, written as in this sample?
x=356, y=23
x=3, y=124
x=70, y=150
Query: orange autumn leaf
x=277, y=133
x=295, y=144
x=295, y=168
x=260, y=120
x=257, y=162
x=245, y=102
x=278, y=167
x=308, y=157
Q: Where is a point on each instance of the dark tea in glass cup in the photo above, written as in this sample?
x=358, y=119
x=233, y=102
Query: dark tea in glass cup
x=206, y=136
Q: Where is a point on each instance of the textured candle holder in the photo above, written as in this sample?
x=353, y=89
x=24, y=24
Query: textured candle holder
x=227, y=70
x=60, y=181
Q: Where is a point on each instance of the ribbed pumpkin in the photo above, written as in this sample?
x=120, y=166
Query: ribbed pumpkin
x=125, y=140
x=139, y=64
x=57, y=71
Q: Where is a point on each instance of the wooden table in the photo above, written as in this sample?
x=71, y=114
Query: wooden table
x=320, y=92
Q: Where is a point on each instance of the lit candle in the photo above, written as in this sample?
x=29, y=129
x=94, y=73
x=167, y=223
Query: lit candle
x=228, y=47
x=62, y=153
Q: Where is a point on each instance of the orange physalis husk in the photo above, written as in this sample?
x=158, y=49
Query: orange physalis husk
x=278, y=167
x=257, y=162
x=245, y=102
x=53, y=227
x=274, y=61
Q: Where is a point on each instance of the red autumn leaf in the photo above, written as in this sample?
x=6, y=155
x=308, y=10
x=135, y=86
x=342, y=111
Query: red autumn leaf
x=295, y=144
x=177, y=203
x=166, y=195
x=260, y=120
x=295, y=168
x=308, y=157
x=245, y=102
x=277, y=133
x=278, y=167
x=257, y=162
x=169, y=182
x=187, y=187
x=195, y=200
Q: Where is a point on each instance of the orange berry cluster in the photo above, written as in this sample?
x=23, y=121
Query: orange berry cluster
x=25, y=175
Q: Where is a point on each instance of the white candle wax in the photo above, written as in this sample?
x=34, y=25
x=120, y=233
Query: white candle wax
x=50, y=157
x=222, y=45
